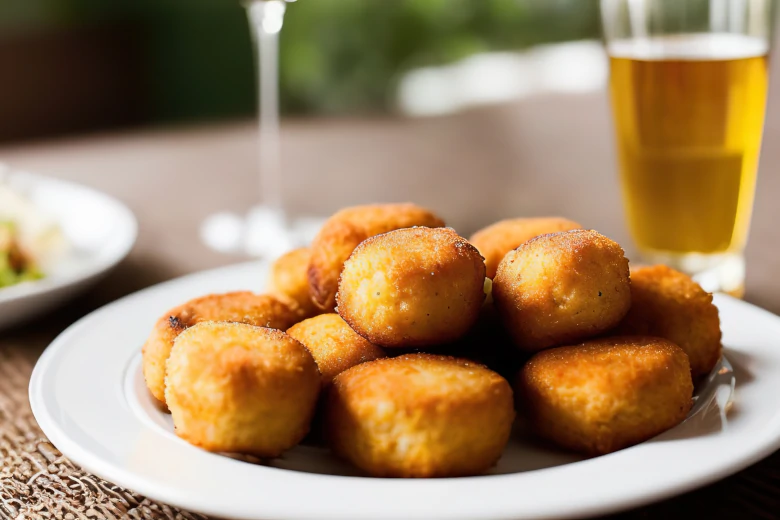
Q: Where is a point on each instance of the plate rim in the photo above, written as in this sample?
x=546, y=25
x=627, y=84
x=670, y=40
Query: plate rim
x=767, y=442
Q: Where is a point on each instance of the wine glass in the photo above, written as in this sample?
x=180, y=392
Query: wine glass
x=266, y=230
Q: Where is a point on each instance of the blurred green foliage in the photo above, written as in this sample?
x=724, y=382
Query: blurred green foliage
x=336, y=55
x=339, y=55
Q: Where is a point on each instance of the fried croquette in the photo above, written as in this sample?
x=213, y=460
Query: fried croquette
x=334, y=345
x=606, y=394
x=669, y=304
x=412, y=287
x=234, y=387
x=496, y=240
x=243, y=307
x=561, y=288
x=342, y=233
x=289, y=279
x=419, y=415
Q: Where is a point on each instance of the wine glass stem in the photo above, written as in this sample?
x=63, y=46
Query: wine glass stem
x=265, y=20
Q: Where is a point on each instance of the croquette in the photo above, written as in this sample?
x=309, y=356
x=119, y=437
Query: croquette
x=289, y=279
x=669, y=304
x=234, y=387
x=561, y=288
x=342, y=233
x=606, y=394
x=243, y=307
x=496, y=240
x=412, y=287
x=334, y=345
x=419, y=415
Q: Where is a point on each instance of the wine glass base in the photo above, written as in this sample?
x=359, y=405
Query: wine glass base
x=716, y=272
x=263, y=232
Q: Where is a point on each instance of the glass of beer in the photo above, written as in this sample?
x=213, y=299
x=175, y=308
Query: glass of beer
x=688, y=80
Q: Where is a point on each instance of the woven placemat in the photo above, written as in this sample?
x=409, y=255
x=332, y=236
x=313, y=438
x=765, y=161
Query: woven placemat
x=37, y=481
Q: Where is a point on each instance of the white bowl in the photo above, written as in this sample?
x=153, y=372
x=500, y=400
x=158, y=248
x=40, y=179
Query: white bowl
x=100, y=229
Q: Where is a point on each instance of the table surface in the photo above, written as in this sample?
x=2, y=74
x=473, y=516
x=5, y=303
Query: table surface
x=549, y=155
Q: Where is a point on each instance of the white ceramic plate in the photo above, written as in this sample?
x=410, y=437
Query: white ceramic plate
x=88, y=396
x=100, y=231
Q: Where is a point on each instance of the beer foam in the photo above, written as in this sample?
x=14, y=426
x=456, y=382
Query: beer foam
x=690, y=47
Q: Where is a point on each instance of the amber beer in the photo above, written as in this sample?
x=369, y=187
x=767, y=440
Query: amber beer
x=689, y=112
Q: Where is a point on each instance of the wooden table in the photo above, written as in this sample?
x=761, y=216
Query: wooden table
x=550, y=155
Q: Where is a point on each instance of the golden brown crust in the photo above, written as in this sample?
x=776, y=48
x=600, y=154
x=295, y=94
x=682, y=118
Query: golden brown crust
x=669, y=304
x=342, y=233
x=238, y=388
x=289, y=280
x=419, y=415
x=496, y=240
x=242, y=307
x=334, y=345
x=412, y=287
x=606, y=394
x=561, y=288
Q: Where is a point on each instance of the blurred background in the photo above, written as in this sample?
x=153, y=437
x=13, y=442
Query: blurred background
x=479, y=109
x=83, y=66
